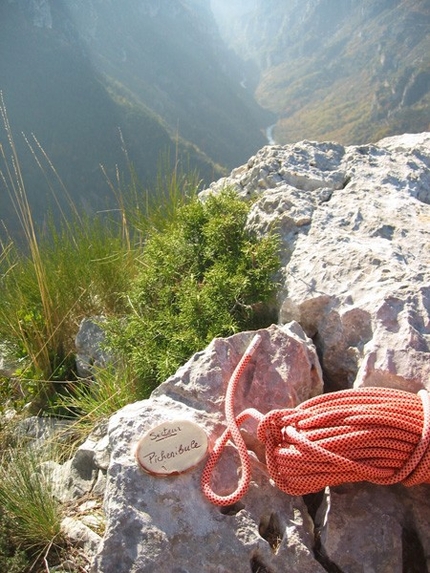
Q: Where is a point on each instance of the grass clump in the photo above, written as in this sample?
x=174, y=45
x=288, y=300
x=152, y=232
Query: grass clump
x=12, y=559
x=201, y=276
x=51, y=280
x=25, y=494
x=30, y=517
x=90, y=403
x=84, y=273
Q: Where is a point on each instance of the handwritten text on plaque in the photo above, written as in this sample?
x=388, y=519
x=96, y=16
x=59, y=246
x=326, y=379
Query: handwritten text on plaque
x=172, y=447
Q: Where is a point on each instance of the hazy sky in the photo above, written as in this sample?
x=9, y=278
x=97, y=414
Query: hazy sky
x=232, y=8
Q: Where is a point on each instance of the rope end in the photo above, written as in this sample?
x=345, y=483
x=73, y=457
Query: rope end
x=253, y=345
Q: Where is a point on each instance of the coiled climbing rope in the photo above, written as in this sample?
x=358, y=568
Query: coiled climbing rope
x=381, y=435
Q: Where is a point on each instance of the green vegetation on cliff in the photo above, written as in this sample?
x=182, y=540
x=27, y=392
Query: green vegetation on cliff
x=203, y=275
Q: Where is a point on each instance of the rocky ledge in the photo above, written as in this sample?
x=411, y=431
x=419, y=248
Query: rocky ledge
x=354, y=310
x=356, y=233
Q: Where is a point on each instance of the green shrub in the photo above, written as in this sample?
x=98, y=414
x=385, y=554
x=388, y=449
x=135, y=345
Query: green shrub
x=201, y=276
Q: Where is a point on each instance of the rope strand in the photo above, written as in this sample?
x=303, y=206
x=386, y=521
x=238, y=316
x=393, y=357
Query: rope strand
x=232, y=432
x=381, y=435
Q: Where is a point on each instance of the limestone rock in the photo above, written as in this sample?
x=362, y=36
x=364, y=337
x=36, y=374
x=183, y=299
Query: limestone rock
x=166, y=524
x=80, y=535
x=355, y=229
x=286, y=361
x=89, y=347
x=85, y=473
x=38, y=431
x=377, y=529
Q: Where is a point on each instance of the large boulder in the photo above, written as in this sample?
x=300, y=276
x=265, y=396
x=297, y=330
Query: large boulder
x=355, y=227
x=165, y=524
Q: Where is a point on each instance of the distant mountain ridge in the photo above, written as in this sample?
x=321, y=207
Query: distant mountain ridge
x=352, y=71
x=74, y=72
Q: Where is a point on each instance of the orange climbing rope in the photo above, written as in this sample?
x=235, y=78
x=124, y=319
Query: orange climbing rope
x=379, y=435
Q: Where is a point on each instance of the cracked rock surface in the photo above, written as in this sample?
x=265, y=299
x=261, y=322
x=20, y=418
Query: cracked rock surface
x=355, y=228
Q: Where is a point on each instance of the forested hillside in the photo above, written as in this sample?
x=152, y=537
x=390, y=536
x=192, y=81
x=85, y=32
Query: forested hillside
x=345, y=70
x=76, y=74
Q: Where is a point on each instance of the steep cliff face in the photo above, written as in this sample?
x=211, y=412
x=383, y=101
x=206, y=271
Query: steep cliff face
x=340, y=69
x=74, y=72
x=170, y=55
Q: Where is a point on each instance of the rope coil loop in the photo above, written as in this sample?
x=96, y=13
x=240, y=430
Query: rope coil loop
x=232, y=432
x=381, y=435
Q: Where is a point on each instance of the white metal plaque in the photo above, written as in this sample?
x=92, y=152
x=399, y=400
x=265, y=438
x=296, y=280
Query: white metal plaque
x=172, y=447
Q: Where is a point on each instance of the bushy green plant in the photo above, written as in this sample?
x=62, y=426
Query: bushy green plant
x=201, y=276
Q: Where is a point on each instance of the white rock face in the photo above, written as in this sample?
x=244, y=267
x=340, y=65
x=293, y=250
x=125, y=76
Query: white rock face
x=378, y=529
x=355, y=226
x=166, y=525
